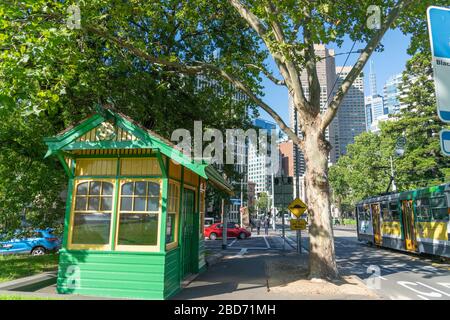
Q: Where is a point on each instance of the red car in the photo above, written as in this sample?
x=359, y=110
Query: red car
x=215, y=231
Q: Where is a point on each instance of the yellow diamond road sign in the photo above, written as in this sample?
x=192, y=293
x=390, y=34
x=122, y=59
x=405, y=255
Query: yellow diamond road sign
x=297, y=207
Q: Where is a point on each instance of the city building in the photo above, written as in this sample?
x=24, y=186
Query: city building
x=391, y=94
x=375, y=126
x=374, y=109
x=240, y=151
x=351, y=115
x=259, y=170
x=368, y=107
x=288, y=165
x=326, y=72
x=286, y=149
x=374, y=104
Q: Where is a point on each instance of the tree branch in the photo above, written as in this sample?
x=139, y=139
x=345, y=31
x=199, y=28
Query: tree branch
x=270, y=76
x=285, y=66
x=292, y=68
x=332, y=109
x=311, y=68
x=199, y=68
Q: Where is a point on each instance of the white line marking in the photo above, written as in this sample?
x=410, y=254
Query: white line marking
x=267, y=242
x=232, y=242
x=422, y=297
x=444, y=293
x=242, y=252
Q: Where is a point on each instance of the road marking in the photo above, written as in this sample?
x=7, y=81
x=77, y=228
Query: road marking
x=267, y=242
x=407, y=285
x=422, y=297
x=425, y=285
x=232, y=242
x=444, y=284
x=295, y=242
x=242, y=252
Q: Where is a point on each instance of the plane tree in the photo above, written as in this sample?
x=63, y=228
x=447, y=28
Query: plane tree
x=230, y=42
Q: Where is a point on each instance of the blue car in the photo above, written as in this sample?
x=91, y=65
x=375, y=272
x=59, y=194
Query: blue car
x=37, y=243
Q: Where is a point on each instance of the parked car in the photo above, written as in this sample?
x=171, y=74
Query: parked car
x=39, y=242
x=233, y=231
x=209, y=222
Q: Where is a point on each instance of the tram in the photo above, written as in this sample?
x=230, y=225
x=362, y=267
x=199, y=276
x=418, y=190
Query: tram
x=415, y=221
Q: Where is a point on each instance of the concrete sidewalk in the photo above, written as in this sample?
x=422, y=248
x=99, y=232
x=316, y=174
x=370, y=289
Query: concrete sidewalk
x=268, y=275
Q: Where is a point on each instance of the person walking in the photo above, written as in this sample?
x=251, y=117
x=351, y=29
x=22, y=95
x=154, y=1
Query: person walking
x=258, y=225
x=266, y=225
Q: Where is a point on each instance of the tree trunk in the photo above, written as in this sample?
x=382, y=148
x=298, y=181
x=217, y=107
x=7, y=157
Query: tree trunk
x=322, y=263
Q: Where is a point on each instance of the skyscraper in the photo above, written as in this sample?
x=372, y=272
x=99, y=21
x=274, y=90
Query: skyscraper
x=391, y=94
x=326, y=72
x=374, y=104
x=259, y=171
x=373, y=80
x=351, y=115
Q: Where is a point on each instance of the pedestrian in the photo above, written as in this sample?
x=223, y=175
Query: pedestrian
x=258, y=225
x=266, y=226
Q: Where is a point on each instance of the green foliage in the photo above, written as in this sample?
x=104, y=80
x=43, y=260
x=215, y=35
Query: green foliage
x=365, y=169
x=52, y=76
x=263, y=201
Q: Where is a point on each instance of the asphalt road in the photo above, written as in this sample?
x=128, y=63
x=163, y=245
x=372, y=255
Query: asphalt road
x=391, y=274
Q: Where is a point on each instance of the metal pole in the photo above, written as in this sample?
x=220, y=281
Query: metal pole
x=283, y=230
x=394, y=187
x=242, y=202
x=224, y=226
x=273, y=202
x=299, y=241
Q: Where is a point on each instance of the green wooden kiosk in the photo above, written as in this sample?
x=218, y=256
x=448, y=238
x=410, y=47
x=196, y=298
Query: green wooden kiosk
x=135, y=207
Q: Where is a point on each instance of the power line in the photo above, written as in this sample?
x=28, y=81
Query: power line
x=339, y=75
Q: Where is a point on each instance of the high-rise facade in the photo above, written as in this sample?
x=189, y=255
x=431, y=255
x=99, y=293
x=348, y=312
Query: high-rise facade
x=326, y=72
x=391, y=94
x=259, y=165
x=351, y=115
x=374, y=104
x=240, y=150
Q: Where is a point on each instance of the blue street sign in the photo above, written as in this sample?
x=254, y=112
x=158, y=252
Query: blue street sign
x=445, y=142
x=235, y=202
x=439, y=31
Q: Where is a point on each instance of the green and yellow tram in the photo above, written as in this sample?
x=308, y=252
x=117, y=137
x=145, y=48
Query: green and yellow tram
x=414, y=221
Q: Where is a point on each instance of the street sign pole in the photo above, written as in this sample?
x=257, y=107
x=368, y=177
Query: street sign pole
x=224, y=226
x=299, y=241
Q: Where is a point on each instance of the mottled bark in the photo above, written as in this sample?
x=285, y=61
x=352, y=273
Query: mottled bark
x=322, y=263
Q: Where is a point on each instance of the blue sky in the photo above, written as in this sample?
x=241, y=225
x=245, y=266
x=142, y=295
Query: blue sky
x=387, y=63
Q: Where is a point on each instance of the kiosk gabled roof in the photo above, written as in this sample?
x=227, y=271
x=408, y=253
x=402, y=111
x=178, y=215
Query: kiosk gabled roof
x=66, y=140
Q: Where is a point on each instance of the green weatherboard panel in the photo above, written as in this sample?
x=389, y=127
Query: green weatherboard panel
x=172, y=273
x=201, y=254
x=113, y=274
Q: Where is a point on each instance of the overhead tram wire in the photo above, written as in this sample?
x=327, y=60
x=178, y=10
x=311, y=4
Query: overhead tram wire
x=342, y=69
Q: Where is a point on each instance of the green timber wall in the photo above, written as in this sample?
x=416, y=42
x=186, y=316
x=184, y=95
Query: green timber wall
x=172, y=273
x=201, y=255
x=113, y=274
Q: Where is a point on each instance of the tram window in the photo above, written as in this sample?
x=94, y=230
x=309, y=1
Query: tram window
x=360, y=213
x=385, y=212
x=366, y=212
x=393, y=208
x=439, y=208
x=423, y=209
